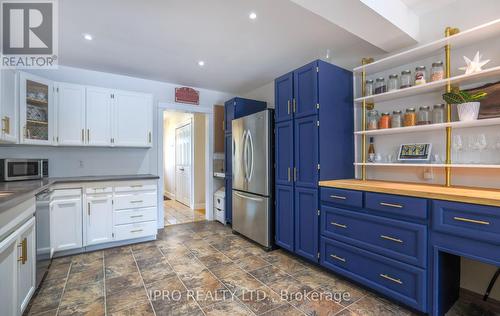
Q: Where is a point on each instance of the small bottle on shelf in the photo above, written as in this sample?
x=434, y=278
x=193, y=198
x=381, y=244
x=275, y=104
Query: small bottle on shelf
x=371, y=151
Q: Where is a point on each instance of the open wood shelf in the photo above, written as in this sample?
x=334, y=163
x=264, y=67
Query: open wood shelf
x=428, y=165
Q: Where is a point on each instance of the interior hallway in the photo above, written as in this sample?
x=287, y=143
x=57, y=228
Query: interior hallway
x=178, y=213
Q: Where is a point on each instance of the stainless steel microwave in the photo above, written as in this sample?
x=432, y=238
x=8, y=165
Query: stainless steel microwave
x=23, y=169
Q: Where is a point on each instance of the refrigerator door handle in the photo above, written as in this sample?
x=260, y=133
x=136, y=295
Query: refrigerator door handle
x=248, y=197
x=250, y=163
x=244, y=153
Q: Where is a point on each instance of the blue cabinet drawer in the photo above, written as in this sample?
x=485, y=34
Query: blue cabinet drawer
x=396, y=239
x=399, y=281
x=397, y=205
x=468, y=220
x=342, y=197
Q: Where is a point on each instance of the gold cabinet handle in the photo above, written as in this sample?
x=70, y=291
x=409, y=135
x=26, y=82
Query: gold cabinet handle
x=391, y=205
x=338, y=225
x=138, y=201
x=136, y=231
x=6, y=125
x=338, y=258
x=338, y=197
x=136, y=186
x=473, y=221
x=24, y=251
x=391, y=239
x=385, y=276
x=136, y=216
x=288, y=107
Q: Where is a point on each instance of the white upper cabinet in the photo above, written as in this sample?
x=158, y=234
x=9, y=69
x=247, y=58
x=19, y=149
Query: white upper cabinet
x=98, y=114
x=99, y=218
x=133, y=119
x=71, y=129
x=36, y=110
x=8, y=106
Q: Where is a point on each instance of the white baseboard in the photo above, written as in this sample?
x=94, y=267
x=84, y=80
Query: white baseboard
x=170, y=195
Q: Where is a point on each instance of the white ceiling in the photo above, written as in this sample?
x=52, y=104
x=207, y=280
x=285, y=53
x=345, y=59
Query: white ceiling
x=424, y=6
x=164, y=39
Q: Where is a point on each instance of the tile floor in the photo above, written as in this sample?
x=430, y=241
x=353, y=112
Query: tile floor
x=199, y=268
x=178, y=213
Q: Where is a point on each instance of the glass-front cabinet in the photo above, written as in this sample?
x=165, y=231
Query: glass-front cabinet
x=36, y=110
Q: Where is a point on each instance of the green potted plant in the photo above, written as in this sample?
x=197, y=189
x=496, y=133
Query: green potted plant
x=467, y=104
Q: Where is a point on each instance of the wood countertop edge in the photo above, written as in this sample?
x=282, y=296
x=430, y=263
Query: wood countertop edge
x=462, y=194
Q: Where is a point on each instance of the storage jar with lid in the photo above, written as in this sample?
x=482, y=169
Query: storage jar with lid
x=385, y=121
x=437, y=71
x=424, y=115
x=410, y=118
x=368, y=87
x=405, y=79
x=397, y=119
x=438, y=114
x=420, y=75
x=372, y=120
x=380, y=86
x=393, y=83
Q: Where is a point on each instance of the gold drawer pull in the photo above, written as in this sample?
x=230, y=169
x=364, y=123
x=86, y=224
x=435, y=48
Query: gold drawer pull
x=338, y=258
x=136, y=231
x=391, y=205
x=338, y=197
x=385, y=276
x=136, y=216
x=136, y=186
x=461, y=219
x=391, y=239
x=138, y=201
x=24, y=251
x=338, y=225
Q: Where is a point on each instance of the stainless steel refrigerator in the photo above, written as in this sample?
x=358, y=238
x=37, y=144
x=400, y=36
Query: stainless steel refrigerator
x=253, y=207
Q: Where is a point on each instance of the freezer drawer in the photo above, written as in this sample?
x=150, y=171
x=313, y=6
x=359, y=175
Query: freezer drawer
x=252, y=217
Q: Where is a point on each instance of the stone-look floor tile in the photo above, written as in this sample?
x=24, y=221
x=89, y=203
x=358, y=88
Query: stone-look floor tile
x=144, y=309
x=92, y=274
x=47, y=313
x=370, y=306
x=227, y=307
x=240, y=283
x=347, y=312
x=142, y=246
x=58, y=271
x=347, y=293
x=166, y=289
x=284, y=261
x=119, y=267
x=206, y=288
x=122, y=282
x=95, y=308
x=226, y=269
x=57, y=261
x=190, y=266
x=251, y=263
x=80, y=266
x=213, y=260
x=147, y=253
x=201, y=248
x=285, y=310
x=123, y=250
x=290, y=289
x=268, y=274
x=155, y=269
x=177, y=253
x=313, y=278
x=126, y=299
x=261, y=300
x=44, y=303
x=183, y=308
x=317, y=303
x=235, y=253
x=52, y=286
x=84, y=294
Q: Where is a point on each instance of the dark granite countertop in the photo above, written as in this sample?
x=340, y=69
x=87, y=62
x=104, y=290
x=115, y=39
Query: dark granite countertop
x=16, y=192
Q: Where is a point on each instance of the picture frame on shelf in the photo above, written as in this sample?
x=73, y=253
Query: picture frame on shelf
x=419, y=152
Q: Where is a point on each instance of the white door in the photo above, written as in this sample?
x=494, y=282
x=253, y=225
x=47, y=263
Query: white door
x=183, y=168
x=36, y=110
x=98, y=113
x=8, y=275
x=71, y=115
x=26, y=277
x=99, y=219
x=66, y=221
x=8, y=106
x=133, y=119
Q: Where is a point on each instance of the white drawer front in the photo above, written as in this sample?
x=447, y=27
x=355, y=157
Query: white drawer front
x=138, y=200
x=219, y=202
x=219, y=214
x=98, y=190
x=136, y=230
x=136, y=187
x=134, y=216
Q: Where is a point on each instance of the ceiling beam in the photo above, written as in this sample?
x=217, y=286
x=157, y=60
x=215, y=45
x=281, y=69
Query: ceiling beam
x=389, y=24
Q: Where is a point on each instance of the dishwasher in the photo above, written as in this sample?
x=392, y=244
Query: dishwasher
x=43, y=249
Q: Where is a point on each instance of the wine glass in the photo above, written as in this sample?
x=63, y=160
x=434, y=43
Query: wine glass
x=458, y=145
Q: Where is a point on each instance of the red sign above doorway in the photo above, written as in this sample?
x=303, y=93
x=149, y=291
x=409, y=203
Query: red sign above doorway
x=187, y=95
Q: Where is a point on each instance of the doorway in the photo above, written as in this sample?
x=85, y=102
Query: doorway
x=184, y=167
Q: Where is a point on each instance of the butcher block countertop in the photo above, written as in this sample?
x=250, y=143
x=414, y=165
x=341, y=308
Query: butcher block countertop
x=471, y=195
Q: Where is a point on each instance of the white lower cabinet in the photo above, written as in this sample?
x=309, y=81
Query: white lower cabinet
x=66, y=220
x=8, y=275
x=99, y=218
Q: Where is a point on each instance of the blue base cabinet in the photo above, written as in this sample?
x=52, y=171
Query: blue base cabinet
x=312, y=103
x=233, y=109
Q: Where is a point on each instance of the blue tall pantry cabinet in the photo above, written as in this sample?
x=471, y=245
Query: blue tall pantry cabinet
x=233, y=109
x=314, y=141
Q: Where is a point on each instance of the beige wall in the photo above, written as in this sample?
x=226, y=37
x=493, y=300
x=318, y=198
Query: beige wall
x=199, y=124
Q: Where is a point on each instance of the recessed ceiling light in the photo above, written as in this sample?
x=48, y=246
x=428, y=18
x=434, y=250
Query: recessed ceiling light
x=201, y=63
x=88, y=37
x=252, y=15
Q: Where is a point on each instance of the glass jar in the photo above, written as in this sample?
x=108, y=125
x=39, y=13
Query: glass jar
x=410, y=118
x=380, y=86
x=424, y=115
x=372, y=120
x=438, y=114
x=420, y=75
x=393, y=83
x=385, y=121
x=437, y=71
x=405, y=79
x=368, y=88
x=397, y=119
